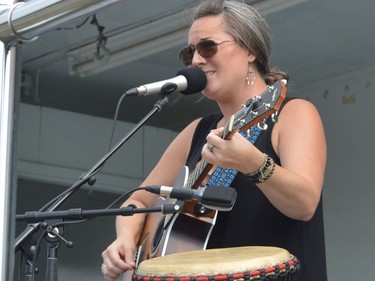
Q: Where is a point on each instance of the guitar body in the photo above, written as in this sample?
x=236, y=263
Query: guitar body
x=188, y=233
x=168, y=234
x=163, y=234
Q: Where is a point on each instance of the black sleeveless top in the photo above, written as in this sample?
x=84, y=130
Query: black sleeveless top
x=254, y=221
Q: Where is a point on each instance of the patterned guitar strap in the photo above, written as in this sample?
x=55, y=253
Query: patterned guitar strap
x=224, y=176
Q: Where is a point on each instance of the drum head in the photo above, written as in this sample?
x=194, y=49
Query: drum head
x=213, y=262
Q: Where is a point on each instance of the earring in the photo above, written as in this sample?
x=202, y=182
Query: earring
x=250, y=77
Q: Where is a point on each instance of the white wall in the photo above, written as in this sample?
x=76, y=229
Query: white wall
x=346, y=106
x=57, y=146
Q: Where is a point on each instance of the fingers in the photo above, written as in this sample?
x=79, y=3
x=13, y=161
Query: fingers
x=116, y=262
x=233, y=153
x=214, y=136
x=130, y=258
x=213, y=140
x=209, y=153
x=218, y=132
x=211, y=147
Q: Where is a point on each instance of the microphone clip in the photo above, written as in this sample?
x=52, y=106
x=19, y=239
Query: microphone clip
x=55, y=235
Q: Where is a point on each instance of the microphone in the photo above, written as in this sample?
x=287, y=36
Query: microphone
x=188, y=81
x=213, y=197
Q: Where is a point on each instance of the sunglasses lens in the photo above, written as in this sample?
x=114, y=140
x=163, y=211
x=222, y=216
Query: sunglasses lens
x=186, y=55
x=207, y=48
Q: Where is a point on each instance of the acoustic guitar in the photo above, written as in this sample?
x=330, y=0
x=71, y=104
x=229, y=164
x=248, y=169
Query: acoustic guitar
x=191, y=228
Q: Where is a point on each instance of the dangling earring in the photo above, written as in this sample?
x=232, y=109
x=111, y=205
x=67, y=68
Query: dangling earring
x=250, y=77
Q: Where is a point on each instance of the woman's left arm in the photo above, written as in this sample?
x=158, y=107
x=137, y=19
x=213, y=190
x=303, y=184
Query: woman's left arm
x=299, y=140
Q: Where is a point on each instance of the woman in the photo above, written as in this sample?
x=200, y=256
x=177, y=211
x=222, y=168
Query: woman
x=280, y=177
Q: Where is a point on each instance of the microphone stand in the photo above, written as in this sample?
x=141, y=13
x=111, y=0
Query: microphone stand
x=79, y=214
x=88, y=177
x=51, y=221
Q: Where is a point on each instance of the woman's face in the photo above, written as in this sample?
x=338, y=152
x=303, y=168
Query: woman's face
x=226, y=70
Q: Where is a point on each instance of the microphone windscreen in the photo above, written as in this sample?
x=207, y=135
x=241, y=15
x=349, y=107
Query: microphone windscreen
x=196, y=80
x=220, y=196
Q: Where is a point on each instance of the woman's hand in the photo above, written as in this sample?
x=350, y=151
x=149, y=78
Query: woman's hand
x=235, y=153
x=118, y=258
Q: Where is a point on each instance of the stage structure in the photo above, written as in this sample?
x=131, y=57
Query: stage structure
x=22, y=22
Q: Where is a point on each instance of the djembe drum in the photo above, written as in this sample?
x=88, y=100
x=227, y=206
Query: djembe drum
x=241, y=263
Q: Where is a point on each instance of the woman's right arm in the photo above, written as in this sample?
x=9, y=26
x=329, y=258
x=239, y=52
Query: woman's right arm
x=120, y=255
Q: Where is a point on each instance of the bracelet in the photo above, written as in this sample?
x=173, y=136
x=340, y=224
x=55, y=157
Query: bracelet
x=264, y=172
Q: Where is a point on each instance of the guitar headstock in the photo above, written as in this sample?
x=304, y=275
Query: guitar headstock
x=259, y=108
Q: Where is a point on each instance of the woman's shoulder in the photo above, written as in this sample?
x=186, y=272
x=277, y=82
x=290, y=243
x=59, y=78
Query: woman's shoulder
x=296, y=105
x=299, y=114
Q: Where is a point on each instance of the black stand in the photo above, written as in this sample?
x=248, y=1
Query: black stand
x=87, y=177
x=79, y=214
x=53, y=243
x=54, y=235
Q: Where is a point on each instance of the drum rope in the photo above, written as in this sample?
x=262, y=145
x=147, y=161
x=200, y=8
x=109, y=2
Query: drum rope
x=286, y=271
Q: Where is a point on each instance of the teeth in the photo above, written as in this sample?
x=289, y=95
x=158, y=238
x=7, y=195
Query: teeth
x=209, y=72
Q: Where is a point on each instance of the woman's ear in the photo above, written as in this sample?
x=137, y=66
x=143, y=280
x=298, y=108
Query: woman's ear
x=251, y=57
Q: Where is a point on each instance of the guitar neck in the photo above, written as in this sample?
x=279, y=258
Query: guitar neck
x=203, y=168
x=198, y=174
x=253, y=112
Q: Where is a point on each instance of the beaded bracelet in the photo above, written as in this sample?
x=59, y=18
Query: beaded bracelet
x=264, y=172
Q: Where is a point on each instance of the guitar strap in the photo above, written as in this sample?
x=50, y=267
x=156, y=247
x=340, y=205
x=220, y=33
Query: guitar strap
x=224, y=176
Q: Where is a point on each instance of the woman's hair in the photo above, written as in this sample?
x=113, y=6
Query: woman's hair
x=249, y=29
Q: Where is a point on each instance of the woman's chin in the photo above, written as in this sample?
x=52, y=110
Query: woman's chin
x=209, y=93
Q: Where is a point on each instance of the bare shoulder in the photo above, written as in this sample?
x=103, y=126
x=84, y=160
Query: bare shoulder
x=299, y=104
x=188, y=132
x=299, y=123
x=299, y=110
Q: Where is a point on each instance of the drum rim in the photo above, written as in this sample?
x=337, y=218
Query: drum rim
x=273, y=272
x=288, y=263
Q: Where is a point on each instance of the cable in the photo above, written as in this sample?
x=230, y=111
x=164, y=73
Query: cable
x=75, y=27
x=115, y=120
x=125, y=195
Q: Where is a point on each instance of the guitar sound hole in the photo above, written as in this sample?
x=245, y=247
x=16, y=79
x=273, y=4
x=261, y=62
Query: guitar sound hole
x=158, y=235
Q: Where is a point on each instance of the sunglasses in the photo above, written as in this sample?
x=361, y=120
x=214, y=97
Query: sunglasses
x=205, y=48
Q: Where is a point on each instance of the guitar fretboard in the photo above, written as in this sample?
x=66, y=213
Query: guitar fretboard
x=202, y=169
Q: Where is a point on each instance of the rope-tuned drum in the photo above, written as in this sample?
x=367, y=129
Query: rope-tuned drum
x=241, y=263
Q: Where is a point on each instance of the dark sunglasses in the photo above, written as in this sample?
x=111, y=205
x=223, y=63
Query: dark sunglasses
x=205, y=48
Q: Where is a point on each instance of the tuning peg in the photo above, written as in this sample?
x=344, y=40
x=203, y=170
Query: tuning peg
x=262, y=125
x=275, y=117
